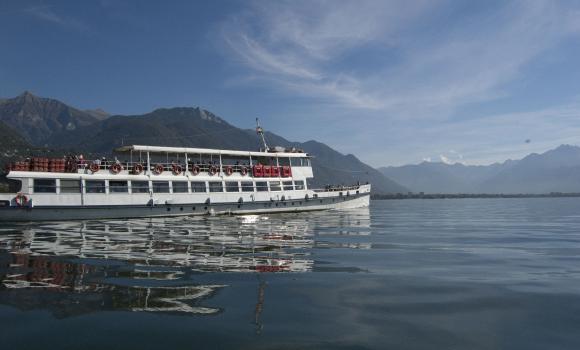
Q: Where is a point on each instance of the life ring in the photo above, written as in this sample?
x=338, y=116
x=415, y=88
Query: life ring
x=137, y=169
x=229, y=170
x=116, y=168
x=21, y=200
x=195, y=170
x=244, y=171
x=158, y=169
x=177, y=169
x=212, y=170
x=94, y=167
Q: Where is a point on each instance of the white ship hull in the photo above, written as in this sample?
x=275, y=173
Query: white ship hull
x=323, y=201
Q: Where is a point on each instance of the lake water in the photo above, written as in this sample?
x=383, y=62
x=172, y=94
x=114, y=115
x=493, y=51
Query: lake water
x=410, y=274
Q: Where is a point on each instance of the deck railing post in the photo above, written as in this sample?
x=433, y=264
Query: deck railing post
x=148, y=164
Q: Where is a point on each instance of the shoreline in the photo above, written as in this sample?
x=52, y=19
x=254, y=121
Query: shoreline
x=471, y=195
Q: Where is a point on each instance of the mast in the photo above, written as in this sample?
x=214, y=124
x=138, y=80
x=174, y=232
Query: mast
x=260, y=132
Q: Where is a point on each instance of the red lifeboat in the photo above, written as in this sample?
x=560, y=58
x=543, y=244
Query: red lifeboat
x=267, y=171
x=258, y=170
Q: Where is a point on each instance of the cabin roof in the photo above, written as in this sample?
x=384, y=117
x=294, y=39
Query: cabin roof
x=189, y=150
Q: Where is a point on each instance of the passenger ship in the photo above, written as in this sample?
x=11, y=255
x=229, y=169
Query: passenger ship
x=171, y=181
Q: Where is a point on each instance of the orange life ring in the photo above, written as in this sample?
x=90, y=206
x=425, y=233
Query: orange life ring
x=158, y=169
x=21, y=200
x=244, y=171
x=116, y=168
x=229, y=170
x=177, y=169
x=94, y=167
x=195, y=170
x=137, y=169
x=212, y=170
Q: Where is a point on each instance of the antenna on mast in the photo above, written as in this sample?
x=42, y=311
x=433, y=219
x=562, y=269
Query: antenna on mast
x=260, y=132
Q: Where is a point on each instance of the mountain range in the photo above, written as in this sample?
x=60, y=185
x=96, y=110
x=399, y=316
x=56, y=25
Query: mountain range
x=37, y=118
x=556, y=170
x=39, y=124
x=32, y=125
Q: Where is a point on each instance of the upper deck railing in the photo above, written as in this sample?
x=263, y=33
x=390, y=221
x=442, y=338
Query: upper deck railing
x=73, y=165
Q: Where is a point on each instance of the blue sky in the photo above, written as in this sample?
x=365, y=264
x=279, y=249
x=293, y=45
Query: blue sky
x=392, y=82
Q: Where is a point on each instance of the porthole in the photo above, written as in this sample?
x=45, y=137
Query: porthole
x=193, y=208
x=181, y=208
x=168, y=209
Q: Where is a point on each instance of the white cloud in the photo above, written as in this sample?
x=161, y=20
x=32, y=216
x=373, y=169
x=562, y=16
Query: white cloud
x=444, y=159
x=46, y=13
x=452, y=158
x=415, y=67
x=295, y=44
x=299, y=46
x=485, y=140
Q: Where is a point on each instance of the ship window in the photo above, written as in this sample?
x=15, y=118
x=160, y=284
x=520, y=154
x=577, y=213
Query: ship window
x=300, y=162
x=140, y=186
x=44, y=185
x=70, y=186
x=232, y=186
x=275, y=186
x=215, y=186
x=95, y=186
x=160, y=186
x=261, y=186
x=299, y=185
x=180, y=187
x=14, y=185
x=118, y=187
x=198, y=186
x=247, y=186
x=283, y=161
x=287, y=185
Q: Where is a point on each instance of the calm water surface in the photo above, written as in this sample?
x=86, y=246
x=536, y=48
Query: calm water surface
x=412, y=274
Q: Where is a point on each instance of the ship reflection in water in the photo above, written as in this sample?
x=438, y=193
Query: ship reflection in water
x=155, y=265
